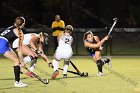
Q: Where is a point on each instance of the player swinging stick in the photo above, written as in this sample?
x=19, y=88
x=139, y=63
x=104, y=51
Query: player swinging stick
x=8, y=36
x=93, y=46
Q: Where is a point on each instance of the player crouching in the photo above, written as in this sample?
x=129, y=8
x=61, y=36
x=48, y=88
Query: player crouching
x=32, y=48
x=63, y=51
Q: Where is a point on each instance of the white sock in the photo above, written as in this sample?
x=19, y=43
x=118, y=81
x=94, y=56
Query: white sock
x=27, y=59
x=65, y=69
x=55, y=64
x=32, y=65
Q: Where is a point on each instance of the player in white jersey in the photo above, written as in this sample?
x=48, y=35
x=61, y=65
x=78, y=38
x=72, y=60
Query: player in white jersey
x=32, y=48
x=63, y=51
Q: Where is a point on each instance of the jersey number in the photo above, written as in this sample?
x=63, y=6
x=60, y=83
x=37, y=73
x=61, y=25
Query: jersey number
x=67, y=41
x=5, y=32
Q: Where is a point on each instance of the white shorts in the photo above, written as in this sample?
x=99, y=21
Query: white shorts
x=63, y=53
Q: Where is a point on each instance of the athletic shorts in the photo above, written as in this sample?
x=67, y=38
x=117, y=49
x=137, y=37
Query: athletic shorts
x=92, y=55
x=4, y=45
x=62, y=53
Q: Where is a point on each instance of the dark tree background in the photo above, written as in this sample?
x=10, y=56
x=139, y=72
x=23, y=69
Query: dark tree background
x=79, y=13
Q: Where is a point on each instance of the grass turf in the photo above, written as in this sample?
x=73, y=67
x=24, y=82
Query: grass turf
x=122, y=78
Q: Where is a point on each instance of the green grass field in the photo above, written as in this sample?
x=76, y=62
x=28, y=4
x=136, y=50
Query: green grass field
x=124, y=77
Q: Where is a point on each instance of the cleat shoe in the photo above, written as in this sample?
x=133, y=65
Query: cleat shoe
x=29, y=74
x=109, y=62
x=55, y=74
x=64, y=75
x=99, y=74
x=20, y=84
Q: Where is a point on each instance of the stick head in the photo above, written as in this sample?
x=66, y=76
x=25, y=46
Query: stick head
x=115, y=18
x=84, y=74
x=46, y=81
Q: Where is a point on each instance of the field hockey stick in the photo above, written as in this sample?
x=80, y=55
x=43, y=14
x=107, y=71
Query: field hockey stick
x=39, y=53
x=78, y=71
x=45, y=81
x=111, y=29
x=75, y=67
x=70, y=71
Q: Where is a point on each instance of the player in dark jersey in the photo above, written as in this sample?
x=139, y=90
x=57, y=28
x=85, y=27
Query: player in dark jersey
x=93, y=46
x=7, y=37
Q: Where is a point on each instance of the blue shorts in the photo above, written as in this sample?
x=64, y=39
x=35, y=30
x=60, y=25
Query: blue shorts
x=4, y=45
x=92, y=55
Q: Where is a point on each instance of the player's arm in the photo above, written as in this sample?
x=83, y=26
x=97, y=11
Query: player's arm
x=97, y=40
x=45, y=58
x=33, y=41
x=90, y=45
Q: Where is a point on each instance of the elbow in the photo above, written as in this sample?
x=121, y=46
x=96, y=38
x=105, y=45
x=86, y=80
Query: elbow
x=97, y=45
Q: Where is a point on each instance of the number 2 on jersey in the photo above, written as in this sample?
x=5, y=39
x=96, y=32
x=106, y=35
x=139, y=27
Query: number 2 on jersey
x=67, y=41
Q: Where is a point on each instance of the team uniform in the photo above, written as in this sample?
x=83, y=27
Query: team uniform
x=26, y=40
x=6, y=37
x=91, y=50
x=27, y=59
x=100, y=62
x=64, y=49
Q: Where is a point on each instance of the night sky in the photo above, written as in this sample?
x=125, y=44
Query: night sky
x=79, y=13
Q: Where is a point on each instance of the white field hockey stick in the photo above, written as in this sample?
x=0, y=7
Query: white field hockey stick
x=111, y=29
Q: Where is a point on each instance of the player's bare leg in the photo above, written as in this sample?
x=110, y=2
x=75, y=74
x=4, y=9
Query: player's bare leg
x=66, y=66
x=55, y=66
x=12, y=56
x=100, y=62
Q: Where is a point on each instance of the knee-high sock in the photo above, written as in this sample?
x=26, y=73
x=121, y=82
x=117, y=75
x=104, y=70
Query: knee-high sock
x=32, y=65
x=99, y=65
x=55, y=64
x=104, y=61
x=17, y=73
x=107, y=60
x=65, y=69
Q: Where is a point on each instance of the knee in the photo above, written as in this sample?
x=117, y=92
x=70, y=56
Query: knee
x=66, y=62
x=97, y=57
x=16, y=62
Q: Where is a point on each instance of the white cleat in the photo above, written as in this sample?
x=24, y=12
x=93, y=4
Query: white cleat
x=109, y=62
x=100, y=74
x=20, y=84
